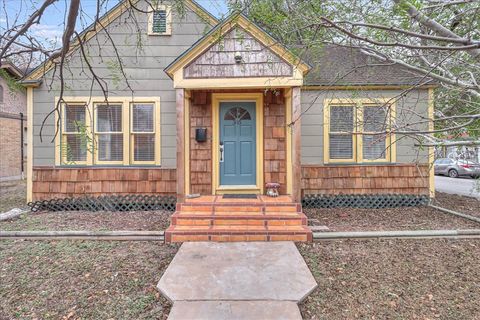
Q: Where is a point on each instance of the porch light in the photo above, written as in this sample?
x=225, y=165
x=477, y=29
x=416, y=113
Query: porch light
x=238, y=57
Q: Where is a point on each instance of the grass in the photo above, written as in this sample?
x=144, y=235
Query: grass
x=83, y=279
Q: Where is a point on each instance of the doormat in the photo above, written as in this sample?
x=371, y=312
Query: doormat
x=239, y=196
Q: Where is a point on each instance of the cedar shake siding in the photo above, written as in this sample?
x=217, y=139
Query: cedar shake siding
x=256, y=59
x=49, y=183
x=365, y=179
x=201, y=152
x=274, y=135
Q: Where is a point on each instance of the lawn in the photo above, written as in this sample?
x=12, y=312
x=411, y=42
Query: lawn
x=394, y=279
x=82, y=279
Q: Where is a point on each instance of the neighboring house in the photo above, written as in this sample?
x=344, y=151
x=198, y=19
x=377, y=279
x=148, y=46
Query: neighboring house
x=13, y=124
x=210, y=114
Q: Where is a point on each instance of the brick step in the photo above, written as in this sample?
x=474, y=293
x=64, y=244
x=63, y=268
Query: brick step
x=237, y=233
x=245, y=218
x=254, y=206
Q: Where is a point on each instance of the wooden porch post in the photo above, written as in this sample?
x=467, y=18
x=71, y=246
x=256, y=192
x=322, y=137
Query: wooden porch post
x=180, y=110
x=296, y=145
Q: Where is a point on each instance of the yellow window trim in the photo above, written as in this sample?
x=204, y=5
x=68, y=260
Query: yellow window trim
x=125, y=131
x=357, y=141
x=60, y=139
x=126, y=102
x=156, y=131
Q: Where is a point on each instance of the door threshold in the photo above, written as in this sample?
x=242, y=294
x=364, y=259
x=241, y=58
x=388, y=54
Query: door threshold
x=238, y=189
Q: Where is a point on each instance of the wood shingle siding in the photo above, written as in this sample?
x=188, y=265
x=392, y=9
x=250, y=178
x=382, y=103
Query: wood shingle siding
x=49, y=183
x=365, y=179
x=201, y=152
x=274, y=133
x=219, y=60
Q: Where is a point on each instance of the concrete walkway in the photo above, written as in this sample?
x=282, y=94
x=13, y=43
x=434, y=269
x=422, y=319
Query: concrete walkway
x=254, y=280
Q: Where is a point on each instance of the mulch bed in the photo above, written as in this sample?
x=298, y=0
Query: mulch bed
x=13, y=195
x=83, y=279
x=393, y=279
x=87, y=220
x=403, y=218
x=412, y=218
x=461, y=204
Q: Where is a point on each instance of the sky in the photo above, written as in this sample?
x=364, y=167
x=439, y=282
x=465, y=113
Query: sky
x=50, y=28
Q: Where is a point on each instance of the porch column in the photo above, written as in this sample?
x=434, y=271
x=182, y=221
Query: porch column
x=296, y=144
x=180, y=110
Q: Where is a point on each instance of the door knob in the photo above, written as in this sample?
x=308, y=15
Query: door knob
x=221, y=151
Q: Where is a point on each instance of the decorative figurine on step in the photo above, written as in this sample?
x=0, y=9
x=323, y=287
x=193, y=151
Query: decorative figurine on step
x=272, y=189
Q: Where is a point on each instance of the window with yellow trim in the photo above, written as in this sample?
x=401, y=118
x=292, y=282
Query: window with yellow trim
x=122, y=132
x=109, y=133
x=74, y=144
x=358, y=133
x=143, y=132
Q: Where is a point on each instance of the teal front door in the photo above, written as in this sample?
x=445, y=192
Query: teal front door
x=237, y=143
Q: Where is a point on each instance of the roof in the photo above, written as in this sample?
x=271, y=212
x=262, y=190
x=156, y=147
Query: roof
x=334, y=65
x=12, y=69
x=37, y=73
x=235, y=19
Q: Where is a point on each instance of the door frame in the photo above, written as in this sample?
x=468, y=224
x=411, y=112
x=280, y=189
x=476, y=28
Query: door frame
x=217, y=98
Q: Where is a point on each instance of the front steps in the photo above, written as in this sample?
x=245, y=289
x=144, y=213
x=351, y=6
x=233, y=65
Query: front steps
x=212, y=218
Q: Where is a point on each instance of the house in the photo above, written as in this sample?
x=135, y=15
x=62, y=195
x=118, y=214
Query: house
x=13, y=124
x=220, y=107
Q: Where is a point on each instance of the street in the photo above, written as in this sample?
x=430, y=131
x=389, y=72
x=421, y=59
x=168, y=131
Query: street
x=461, y=186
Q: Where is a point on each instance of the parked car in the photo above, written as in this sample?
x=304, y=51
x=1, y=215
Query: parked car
x=456, y=168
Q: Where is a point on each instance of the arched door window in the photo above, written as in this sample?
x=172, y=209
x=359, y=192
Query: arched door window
x=237, y=114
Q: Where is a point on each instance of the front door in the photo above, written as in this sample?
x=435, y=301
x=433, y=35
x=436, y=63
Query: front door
x=237, y=143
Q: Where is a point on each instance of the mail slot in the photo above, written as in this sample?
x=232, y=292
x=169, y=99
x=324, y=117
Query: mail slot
x=201, y=134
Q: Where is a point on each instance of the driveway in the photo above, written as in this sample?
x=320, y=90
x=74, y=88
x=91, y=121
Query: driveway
x=461, y=186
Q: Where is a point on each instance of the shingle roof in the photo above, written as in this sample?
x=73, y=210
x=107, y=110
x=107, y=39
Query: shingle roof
x=334, y=65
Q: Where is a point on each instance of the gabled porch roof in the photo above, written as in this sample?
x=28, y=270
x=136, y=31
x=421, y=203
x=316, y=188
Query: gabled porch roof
x=237, y=20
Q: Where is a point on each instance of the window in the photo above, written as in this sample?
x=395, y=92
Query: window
x=143, y=132
x=74, y=134
x=109, y=133
x=1, y=94
x=351, y=129
x=120, y=132
x=160, y=21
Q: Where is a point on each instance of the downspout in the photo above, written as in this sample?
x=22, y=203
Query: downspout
x=22, y=146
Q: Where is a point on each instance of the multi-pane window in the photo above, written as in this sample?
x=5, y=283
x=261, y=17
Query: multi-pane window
x=74, y=134
x=375, y=120
x=143, y=132
x=120, y=132
x=342, y=125
x=160, y=21
x=109, y=132
x=358, y=132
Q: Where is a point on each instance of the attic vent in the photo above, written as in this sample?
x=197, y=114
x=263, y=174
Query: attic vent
x=160, y=21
